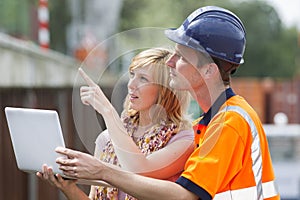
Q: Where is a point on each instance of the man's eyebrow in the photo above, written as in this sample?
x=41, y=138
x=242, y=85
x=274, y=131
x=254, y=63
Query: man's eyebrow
x=177, y=52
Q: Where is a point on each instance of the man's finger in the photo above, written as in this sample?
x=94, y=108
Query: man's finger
x=65, y=151
x=86, y=78
x=66, y=162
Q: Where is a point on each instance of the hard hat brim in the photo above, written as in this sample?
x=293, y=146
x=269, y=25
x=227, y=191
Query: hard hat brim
x=174, y=35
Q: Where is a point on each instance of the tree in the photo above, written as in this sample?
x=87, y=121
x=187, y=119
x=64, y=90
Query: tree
x=156, y=13
x=15, y=18
x=59, y=19
x=19, y=19
x=271, y=48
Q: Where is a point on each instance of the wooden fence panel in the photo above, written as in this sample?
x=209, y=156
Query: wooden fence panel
x=17, y=185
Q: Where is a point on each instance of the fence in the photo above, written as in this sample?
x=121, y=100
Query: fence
x=17, y=185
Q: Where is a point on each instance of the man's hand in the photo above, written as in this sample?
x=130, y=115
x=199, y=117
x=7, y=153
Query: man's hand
x=78, y=165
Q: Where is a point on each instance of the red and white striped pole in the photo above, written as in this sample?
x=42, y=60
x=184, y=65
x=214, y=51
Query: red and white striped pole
x=43, y=18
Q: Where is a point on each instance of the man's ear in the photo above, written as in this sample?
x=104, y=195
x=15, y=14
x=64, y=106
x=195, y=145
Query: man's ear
x=211, y=69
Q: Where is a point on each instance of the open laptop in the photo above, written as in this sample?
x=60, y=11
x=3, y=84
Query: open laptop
x=35, y=133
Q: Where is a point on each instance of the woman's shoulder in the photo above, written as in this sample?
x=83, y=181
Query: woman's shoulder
x=103, y=137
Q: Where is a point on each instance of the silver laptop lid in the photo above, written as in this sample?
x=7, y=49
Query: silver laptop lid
x=35, y=133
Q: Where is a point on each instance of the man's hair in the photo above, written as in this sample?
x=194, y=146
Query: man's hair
x=226, y=69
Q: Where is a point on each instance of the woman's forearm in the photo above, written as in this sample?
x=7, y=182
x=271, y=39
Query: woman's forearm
x=163, y=163
x=117, y=132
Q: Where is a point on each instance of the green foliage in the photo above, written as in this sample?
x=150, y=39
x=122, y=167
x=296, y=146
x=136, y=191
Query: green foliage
x=14, y=18
x=59, y=19
x=19, y=19
x=271, y=48
x=155, y=13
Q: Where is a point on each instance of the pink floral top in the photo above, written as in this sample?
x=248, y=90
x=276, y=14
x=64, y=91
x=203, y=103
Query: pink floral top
x=154, y=139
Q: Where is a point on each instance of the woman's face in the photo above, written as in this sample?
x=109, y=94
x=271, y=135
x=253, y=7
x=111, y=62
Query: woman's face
x=143, y=92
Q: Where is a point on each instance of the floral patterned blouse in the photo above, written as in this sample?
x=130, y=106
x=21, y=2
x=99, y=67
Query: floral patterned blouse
x=153, y=139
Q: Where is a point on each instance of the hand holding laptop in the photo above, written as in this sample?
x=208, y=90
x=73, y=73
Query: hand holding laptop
x=74, y=164
x=55, y=179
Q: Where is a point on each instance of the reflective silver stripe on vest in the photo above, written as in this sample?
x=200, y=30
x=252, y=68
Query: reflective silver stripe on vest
x=269, y=190
x=255, y=151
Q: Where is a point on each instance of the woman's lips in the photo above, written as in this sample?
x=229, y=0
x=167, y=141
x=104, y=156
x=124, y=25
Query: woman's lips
x=133, y=97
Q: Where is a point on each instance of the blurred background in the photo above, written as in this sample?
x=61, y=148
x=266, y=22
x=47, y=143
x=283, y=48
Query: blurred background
x=43, y=43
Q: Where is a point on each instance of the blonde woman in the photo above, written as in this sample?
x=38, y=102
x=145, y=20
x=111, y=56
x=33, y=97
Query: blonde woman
x=153, y=137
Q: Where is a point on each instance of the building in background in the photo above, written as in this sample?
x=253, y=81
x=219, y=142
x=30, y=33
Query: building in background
x=33, y=78
x=90, y=25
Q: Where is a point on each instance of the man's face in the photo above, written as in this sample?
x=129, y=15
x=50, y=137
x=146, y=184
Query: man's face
x=183, y=69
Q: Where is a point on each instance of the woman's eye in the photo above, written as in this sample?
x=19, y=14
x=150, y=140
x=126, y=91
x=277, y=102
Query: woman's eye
x=144, y=79
x=131, y=74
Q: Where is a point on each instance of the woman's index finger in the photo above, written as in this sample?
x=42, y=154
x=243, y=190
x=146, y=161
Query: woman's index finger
x=86, y=78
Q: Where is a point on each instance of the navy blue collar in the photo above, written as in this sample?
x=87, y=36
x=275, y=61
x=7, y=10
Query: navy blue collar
x=224, y=96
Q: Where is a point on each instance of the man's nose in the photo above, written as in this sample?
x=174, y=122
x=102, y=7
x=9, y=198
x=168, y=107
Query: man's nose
x=171, y=62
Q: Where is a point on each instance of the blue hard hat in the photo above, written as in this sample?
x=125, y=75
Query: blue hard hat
x=214, y=30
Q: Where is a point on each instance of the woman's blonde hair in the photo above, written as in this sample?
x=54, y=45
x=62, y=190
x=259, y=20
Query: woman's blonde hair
x=173, y=104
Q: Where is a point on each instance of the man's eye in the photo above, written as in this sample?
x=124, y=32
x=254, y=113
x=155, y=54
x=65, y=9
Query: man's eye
x=182, y=58
x=177, y=55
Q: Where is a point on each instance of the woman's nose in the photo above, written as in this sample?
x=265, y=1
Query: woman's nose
x=131, y=84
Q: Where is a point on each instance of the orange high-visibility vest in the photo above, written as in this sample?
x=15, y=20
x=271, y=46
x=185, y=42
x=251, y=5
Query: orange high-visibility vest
x=231, y=160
